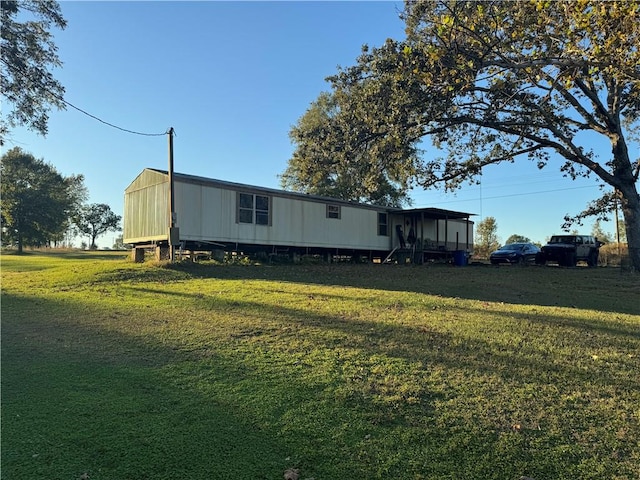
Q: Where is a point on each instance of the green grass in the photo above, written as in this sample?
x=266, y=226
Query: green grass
x=130, y=371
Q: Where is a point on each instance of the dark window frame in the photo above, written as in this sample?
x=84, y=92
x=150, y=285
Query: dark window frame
x=262, y=215
x=334, y=211
x=383, y=227
x=245, y=208
x=250, y=208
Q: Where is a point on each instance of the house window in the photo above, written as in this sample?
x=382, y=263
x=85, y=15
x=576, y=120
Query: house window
x=333, y=211
x=382, y=225
x=262, y=210
x=245, y=208
x=253, y=209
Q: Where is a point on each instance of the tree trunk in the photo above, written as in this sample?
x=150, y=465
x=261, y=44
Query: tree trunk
x=623, y=172
x=631, y=212
x=19, y=236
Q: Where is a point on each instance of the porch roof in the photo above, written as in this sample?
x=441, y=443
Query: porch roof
x=435, y=213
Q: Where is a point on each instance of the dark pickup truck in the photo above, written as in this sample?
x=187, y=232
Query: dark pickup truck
x=568, y=250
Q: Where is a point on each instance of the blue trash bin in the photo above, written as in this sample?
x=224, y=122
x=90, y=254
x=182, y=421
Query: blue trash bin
x=460, y=258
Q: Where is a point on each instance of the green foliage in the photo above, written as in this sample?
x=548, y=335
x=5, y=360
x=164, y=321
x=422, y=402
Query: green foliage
x=118, y=370
x=27, y=53
x=37, y=202
x=486, y=240
x=601, y=209
x=95, y=220
x=496, y=82
x=336, y=172
x=120, y=245
x=600, y=234
x=517, y=239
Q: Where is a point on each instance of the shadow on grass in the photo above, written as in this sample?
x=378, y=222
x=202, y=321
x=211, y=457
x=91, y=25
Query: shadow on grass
x=421, y=341
x=232, y=403
x=79, y=399
x=591, y=334
x=282, y=379
x=549, y=382
x=604, y=289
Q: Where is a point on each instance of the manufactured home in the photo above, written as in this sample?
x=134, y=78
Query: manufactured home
x=210, y=215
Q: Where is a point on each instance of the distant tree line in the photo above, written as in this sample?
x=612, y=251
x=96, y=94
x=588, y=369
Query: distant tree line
x=40, y=207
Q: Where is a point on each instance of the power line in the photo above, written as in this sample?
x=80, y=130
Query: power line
x=111, y=124
x=477, y=189
x=515, y=195
x=525, y=179
x=48, y=90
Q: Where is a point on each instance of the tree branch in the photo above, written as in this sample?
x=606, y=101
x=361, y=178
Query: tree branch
x=570, y=151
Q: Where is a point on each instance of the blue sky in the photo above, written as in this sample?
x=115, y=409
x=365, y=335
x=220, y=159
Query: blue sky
x=232, y=78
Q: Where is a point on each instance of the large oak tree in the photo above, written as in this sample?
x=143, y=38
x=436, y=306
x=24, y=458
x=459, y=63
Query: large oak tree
x=492, y=82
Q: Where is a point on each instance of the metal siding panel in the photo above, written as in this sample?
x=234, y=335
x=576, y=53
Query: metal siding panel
x=227, y=215
x=146, y=211
x=146, y=179
x=429, y=230
x=188, y=198
x=211, y=215
x=219, y=215
x=296, y=222
x=208, y=215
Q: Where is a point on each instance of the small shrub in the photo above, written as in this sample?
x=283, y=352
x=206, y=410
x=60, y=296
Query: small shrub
x=312, y=260
x=613, y=254
x=235, y=258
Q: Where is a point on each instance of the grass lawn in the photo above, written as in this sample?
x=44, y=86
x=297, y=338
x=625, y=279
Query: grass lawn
x=140, y=371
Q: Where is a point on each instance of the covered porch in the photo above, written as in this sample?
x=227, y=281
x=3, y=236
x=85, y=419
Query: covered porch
x=424, y=234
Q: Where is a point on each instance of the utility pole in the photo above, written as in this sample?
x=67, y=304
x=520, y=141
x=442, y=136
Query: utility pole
x=174, y=233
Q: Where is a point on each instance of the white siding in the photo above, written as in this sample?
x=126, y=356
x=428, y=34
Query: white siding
x=208, y=213
x=456, y=238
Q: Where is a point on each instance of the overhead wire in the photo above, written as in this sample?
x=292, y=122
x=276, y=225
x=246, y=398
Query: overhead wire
x=66, y=102
x=516, y=194
x=111, y=124
x=476, y=189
